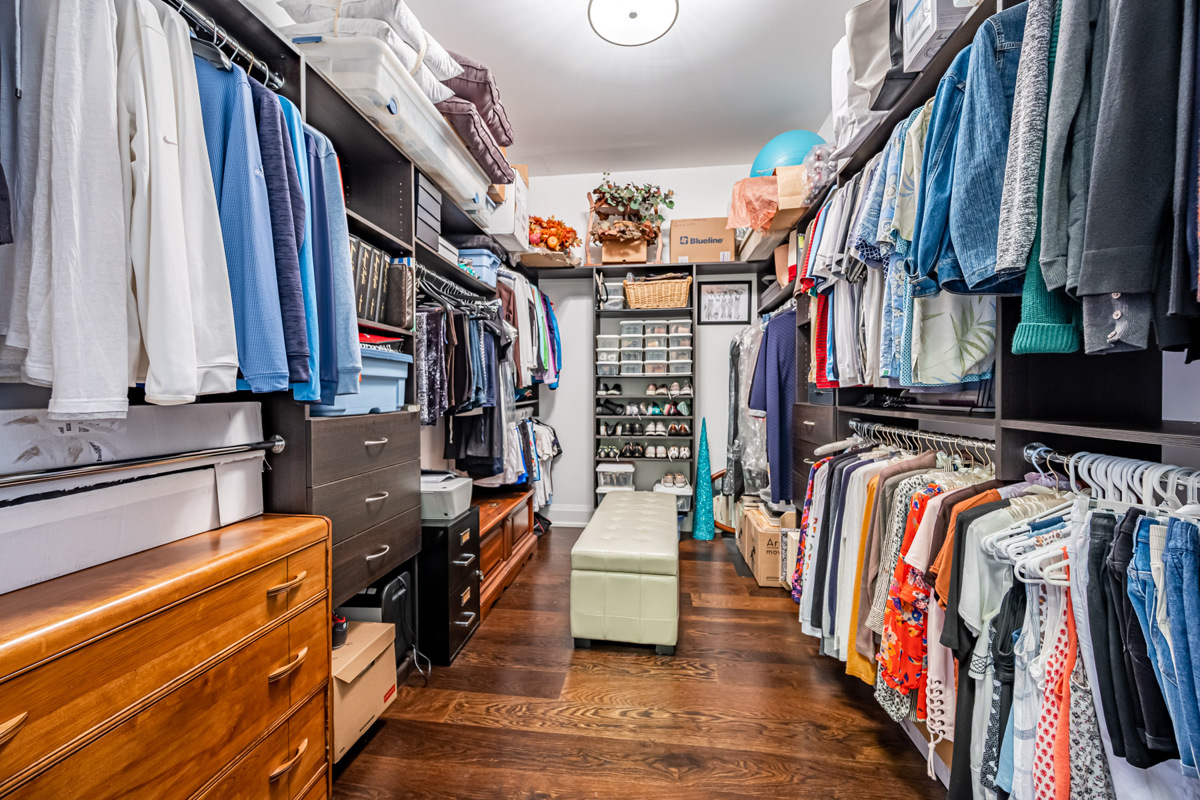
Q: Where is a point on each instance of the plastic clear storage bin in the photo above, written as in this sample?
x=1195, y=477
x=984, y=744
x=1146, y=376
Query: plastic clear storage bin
x=604, y=491
x=683, y=495
x=372, y=76
x=631, y=341
x=656, y=340
x=680, y=326
x=381, y=388
x=631, y=327
x=606, y=356
x=485, y=263
x=631, y=354
x=681, y=354
x=681, y=367
x=614, y=476
x=606, y=341
x=631, y=368
x=607, y=369
x=681, y=340
x=614, y=295
x=656, y=328
x=656, y=354
x=656, y=367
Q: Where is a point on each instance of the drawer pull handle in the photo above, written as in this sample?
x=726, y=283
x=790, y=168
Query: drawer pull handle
x=287, y=587
x=9, y=729
x=386, y=549
x=809, y=461
x=375, y=442
x=378, y=498
x=465, y=562
x=809, y=423
x=467, y=622
x=286, y=767
x=290, y=667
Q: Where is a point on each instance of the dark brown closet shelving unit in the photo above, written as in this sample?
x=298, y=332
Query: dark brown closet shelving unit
x=1110, y=404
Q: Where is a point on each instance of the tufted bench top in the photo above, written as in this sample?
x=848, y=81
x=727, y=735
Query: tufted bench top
x=634, y=532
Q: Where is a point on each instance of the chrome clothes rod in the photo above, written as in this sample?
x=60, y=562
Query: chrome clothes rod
x=275, y=444
x=867, y=428
x=198, y=19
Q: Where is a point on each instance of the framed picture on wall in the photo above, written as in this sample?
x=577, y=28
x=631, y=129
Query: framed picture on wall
x=725, y=303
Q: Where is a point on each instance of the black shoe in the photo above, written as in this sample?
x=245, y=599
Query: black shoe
x=638, y=429
x=639, y=451
x=627, y=451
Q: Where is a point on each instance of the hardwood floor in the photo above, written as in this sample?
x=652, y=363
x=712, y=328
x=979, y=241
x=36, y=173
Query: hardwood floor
x=745, y=709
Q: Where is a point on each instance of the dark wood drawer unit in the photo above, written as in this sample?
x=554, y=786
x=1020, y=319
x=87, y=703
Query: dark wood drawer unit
x=814, y=424
x=363, y=472
x=506, y=540
x=448, y=577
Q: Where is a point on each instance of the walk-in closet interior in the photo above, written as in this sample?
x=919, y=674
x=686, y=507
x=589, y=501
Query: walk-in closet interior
x=599, y=399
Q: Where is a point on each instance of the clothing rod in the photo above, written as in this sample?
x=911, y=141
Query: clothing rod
x=273, y=80
x=275, y=444
x=867, y=428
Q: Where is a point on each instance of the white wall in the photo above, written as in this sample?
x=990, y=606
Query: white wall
x=700, y=192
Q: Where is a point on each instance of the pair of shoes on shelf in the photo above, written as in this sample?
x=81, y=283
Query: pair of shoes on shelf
x=680, y=429
x=632, y=429
x=679, y=390
x=656, y=429
x=657, y=390
x=607, y=453
x=656, y=452
x=633, y=451
x=675, y=480
x=607, y=408
x=608, y=391
x=603, y=429
x=683, y=408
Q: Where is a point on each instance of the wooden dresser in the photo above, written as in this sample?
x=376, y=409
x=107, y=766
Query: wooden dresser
x=363, y=472
x=506, y=540
x=199, y=669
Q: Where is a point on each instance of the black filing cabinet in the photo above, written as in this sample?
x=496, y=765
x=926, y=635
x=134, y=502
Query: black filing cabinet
x=448, y=586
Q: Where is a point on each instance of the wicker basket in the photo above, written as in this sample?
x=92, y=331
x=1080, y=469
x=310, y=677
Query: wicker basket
x=658, y=294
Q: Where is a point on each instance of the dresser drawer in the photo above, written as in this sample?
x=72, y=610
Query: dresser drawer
x=318, y=792
x=813, y=423
x=464, y=615
x=355, y=504
x=272, y=771
x=520, y=521
x=346, y=446
x=491, y=549
x=307, y=665
x=177, y=745
x=164, y=647
x=367, y=557
x=463, y=537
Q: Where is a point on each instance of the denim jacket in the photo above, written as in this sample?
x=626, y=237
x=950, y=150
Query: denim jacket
x=981, y=153
x=932, y=255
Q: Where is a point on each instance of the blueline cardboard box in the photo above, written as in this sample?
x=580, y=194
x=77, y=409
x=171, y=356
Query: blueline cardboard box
x=364, y=681
x=696, y=241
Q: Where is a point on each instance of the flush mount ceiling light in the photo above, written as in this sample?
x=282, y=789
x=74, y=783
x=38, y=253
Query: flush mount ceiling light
x=630, y=23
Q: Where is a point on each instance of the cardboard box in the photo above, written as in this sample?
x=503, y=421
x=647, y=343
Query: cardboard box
x=623, y=252
x=696, y=241
x=761, y=244
x=364, y=681
x=927, y=26
x=763, y=542
x=548, y=259
x=509, y=223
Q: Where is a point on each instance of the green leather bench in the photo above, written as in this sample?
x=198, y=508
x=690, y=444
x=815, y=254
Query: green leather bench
x=625, y=573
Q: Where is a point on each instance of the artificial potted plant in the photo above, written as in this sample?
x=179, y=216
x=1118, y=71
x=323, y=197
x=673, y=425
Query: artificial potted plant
x=625, y=220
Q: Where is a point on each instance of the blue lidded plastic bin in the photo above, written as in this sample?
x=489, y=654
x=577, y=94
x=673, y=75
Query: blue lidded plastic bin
x=485, y=263
x=381, y=389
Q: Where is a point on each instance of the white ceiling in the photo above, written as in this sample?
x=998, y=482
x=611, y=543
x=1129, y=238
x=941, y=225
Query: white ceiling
x=726, y=78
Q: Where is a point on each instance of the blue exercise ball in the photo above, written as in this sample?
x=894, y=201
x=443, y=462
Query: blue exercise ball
x=786, y=149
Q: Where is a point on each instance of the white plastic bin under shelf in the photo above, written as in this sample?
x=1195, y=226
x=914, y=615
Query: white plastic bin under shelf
x=632, y=327
x=372, y=76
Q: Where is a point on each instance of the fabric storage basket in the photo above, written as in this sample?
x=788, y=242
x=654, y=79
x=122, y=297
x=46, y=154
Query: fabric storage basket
x=656, y=328
x=381, y=388
x=606, y=341
x=606, y=356
x=679, y=326
x=631, y=367
x=656, y=340
x=680, y=354
x=632, y=327
x=656, y=367
x=614, y=476
x=485, y=263
x=656, y=354
x=681, y=367
x=630, y=341
x=607, y=369
x=669, y=293
x=681, y=340
x=631, y=354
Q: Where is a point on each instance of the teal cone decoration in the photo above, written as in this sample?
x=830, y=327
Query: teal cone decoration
x=702, y=517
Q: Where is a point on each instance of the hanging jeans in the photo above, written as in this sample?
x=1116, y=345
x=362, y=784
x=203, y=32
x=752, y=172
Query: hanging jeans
x=1181, y=562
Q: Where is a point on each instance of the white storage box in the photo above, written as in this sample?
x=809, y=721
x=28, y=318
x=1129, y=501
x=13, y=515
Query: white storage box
x=372, y=76
x=927, y=26
x=611, y=476
x=631, y=367
x=656, y=340
x=681, y=367
x=606, y=341
x=607, y=369
x=634, y=342
x=681, y=354
x=631, y=327
x=683, y=496
x=509, y=223
x=655, y=367
x=603, y=491
x=631, y=354
x=615, y=291
x=656, y=354
x=681, y=340
x=605, y=356
x=448, y=498
x=680, y=326
x=97, y=523
x=656, y=328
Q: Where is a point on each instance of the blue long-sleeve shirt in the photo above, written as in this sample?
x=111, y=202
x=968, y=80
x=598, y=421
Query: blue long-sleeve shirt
x=236, y=162
x=774, y=391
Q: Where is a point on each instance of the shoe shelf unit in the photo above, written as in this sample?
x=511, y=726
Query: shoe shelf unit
x=649, y=471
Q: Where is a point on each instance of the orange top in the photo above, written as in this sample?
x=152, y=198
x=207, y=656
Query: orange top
x=857, y=664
